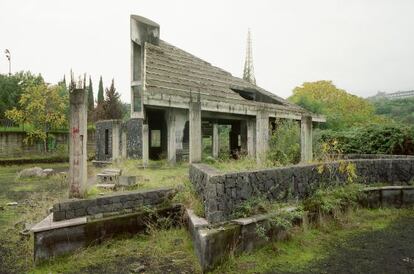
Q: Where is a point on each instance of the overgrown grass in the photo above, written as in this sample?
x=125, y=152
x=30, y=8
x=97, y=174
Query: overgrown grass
x=157, y=252
x=306, y=247
x=34, y=196
x=243, y=164
x=157, y=174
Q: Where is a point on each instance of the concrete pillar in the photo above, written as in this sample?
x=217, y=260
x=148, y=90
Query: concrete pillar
x=124, y=144
x=116, y=127
x=251, y=137
x=195, y=131
x=262, y=135
x=145, y=145
x=171, y=136
x=243, y=136
x=78, y=155
x=306, y=139
x=215, y=141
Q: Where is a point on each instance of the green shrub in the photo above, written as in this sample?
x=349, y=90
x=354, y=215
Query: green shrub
x=284, y=144
x=333, y=199
x=374, y=139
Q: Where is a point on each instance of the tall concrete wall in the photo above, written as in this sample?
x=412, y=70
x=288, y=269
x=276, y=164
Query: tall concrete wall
x=12, y=144
x=222, y=193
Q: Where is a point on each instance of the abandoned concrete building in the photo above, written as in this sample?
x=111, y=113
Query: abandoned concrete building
x=177, y=99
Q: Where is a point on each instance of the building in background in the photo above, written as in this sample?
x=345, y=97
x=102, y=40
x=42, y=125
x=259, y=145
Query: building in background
x=177, y=99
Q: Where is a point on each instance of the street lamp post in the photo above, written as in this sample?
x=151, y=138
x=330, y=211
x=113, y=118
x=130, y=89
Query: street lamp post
x=8, y=56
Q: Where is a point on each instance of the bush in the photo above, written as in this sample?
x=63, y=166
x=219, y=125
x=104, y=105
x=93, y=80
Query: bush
x=374, y=139
x=284, y=144
x=333, y=199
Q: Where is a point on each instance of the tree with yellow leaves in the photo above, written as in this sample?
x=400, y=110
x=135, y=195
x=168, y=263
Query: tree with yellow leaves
x=342, y=109
x=43, y=107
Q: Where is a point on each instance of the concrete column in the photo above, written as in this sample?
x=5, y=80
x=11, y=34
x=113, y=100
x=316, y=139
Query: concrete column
x=116, y=127
x=306, y=139
x=78, y=155
x=195, y=131
x=124, y=144
x=171, y=147
x=251, y=137
x=262, y=135
x=145, y=145
x=215, y=141
x=243, y=136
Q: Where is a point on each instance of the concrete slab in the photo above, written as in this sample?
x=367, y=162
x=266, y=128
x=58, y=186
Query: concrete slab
x=48, y=223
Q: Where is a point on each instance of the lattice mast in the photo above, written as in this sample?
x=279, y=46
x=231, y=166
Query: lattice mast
x=248, y=73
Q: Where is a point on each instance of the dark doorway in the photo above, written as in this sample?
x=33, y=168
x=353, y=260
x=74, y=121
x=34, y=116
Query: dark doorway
x=157, y=134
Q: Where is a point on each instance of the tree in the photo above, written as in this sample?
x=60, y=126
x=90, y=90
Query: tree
x=100, y=92
x=41, y=106
x=11, y=88
x=91, y=105
x=401, y=110
x=112, y=107
x=341, y=109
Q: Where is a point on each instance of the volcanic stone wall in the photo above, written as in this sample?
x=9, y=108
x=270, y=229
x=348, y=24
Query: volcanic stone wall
x=222, y=193
x=124, y=202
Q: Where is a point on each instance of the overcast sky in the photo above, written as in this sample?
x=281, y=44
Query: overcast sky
x=362, y=46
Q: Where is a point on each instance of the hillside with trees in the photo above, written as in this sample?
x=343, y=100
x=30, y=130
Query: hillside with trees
x=355, y=124
x=401, y=110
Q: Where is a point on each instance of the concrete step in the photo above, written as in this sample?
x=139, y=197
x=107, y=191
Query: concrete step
x=106, y=186
x=116, y=171
x=105, y=178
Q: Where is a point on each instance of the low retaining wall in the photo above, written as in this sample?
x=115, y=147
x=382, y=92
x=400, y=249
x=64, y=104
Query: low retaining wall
x=222, y=193
x=213, y=243
x=58, y=238
x=125, y=202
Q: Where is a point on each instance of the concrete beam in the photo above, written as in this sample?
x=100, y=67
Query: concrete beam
x=78, y=155
x=195, y=131
x=171, y=137
x=215, y=141
x=262, y=135
x=306, y=139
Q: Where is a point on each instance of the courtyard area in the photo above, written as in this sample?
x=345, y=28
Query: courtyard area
x=361, y=241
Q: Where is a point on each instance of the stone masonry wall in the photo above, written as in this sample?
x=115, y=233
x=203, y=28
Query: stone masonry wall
x=134, y=138
x=124, y=202
x=222, y=193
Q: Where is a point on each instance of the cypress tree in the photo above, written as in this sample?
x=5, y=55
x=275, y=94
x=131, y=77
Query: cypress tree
x=90, y=96
x=100, y=92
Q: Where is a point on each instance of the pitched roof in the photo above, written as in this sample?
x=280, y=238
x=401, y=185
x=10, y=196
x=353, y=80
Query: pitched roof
x=169, y=68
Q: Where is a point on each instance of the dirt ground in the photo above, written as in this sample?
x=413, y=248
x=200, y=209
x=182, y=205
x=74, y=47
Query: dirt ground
x=387, y=251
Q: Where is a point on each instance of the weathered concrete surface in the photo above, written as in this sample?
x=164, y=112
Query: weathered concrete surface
x=78, y=155
x=145, y=145
x=171, y=136
x=195, y=131
x=397, y=196
x=222, y=193
x=215, y=141
x=262, y=135
x=119, y=202
x=214, y=244
x=306, y=153
x=53, y=238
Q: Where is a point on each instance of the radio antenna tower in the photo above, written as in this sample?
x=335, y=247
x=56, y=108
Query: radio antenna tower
x=248, y=73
